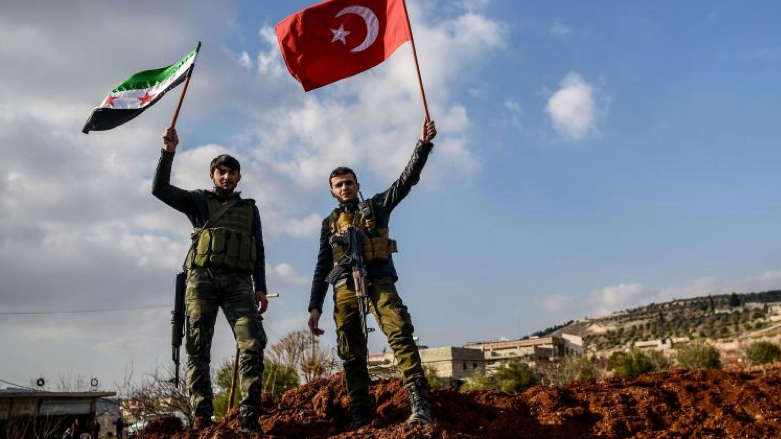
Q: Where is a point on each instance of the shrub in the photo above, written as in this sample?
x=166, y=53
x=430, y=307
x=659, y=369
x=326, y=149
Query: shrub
x=434, y=381
x=478, y=381
x=578, y=368
x=699, y=356
x=514, y=377
x=658, y=360
x=763, y=352
x=630, y=364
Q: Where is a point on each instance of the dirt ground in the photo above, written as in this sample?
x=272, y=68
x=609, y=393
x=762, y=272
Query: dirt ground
x=665, y=405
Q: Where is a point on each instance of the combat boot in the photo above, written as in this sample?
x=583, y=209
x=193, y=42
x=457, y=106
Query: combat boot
x=417, y=391
x=249, y=423
x=202, y=423
x=361, y=416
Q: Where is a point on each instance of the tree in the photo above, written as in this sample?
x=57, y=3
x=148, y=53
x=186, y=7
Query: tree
x=300, y=350
x=630, y=364
x=277, y=379
x=155, y=394
x=699, y=356
x=763, y=352
x=514, y=377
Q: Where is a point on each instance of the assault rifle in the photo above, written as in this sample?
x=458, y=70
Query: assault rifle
x=353, y=261
x=177, y=323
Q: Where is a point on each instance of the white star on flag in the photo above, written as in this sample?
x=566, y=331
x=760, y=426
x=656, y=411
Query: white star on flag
x=340, y=34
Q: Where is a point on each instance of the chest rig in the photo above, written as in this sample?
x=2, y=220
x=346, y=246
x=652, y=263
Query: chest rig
x=377, y=246
x=226, y=240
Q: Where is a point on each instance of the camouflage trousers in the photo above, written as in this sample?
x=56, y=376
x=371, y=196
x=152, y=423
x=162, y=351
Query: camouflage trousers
x=207, y=292
x=394, y=320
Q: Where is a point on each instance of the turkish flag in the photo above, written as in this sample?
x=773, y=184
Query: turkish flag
x=336, y=39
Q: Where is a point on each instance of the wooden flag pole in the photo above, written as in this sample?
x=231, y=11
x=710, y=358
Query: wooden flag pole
x=181, y=97
x=417, y=64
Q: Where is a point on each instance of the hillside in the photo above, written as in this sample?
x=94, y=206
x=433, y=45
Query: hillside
x=712, y=317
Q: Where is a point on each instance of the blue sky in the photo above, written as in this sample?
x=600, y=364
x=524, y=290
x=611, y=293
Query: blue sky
x=591, y=157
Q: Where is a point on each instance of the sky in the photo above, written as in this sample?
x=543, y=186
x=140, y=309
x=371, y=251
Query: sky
x=590, y=158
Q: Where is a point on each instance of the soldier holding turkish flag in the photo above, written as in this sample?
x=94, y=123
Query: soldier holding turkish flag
x=321, y=45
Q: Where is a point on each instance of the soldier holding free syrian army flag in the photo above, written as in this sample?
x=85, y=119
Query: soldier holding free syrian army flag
x=225, y=265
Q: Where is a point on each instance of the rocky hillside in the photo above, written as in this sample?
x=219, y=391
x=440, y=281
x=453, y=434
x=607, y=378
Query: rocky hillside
x=713, y=317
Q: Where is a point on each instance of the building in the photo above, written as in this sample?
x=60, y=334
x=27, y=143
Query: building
x=455, y=364
x=533, y=351
x=31, y=413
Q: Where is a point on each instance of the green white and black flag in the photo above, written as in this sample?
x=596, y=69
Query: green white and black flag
x=138, y=93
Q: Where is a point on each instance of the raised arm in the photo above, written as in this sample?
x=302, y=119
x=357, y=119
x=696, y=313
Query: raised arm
x=162, y=188
x=411, y=174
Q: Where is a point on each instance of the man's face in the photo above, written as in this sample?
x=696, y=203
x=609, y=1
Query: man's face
x=344, y=188
x=225, y=178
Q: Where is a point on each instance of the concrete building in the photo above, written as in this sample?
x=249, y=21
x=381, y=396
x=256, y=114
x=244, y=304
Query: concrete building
x=455, y=364
x=39, y=414
x=531, y=351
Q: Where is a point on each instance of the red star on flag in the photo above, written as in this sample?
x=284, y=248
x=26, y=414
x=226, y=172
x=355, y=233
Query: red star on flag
x=145, y=99
x=109, y=101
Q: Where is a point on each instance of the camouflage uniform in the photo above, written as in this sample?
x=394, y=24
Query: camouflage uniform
x=386, y=305
x=209, y=289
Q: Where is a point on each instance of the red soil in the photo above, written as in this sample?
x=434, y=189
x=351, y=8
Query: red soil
x=677, y=404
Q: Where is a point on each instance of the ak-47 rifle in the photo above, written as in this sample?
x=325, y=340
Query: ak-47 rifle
x=353, y=261
x=177, y=323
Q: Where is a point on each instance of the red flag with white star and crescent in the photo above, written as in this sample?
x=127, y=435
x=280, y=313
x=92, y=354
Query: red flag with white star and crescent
x=337, y=39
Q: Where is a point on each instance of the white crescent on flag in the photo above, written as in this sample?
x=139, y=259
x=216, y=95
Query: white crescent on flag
x=372, y=25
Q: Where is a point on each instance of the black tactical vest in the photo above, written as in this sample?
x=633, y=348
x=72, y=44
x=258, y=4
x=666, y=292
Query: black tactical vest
x=376, y=245
x=226, y=242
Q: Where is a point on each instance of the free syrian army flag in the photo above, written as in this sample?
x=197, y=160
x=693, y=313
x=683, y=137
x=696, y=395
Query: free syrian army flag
x=139, y=92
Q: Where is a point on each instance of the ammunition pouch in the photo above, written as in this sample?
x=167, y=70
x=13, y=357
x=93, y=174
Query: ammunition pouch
x=336, y=273
x=375, y=248
x=220, y=247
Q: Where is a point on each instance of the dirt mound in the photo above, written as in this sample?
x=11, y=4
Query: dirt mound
x=678, y=404
x=164, y=426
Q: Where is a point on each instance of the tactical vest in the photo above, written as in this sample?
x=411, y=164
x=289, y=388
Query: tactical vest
x=227, y=242
x=376, y=244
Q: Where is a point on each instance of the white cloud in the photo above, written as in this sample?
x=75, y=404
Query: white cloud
x=572, y=108
x=515, y=111
x=288, y=273
x=474, y=5
x=556, y=302
x=270, y=60
x=620, y=296
x=245, y=61
x=308, y=226
x=560, y=30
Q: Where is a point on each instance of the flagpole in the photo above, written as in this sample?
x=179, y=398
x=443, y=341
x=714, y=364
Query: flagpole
x=417, y=64
x=181, y=97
